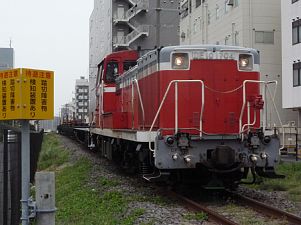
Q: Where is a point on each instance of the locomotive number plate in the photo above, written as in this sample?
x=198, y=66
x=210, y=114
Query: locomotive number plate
x=213, y=55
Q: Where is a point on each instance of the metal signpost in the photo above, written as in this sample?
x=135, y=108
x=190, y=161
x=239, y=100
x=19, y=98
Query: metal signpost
x=26, y=94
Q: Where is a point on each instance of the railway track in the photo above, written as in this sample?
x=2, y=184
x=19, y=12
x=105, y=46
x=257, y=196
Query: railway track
x=266, y=209
x=259, y=207
x=212, y=215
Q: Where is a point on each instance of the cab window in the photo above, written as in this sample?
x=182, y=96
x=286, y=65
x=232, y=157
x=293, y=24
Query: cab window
x=111, y=72
x=99, y=74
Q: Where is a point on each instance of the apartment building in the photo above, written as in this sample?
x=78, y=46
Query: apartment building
x=82, y=99
x=67, y=112
x=291, y=55
x=130, y=24
x=255, y=24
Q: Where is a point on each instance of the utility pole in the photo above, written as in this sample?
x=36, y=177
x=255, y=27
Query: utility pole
x=158, y=23
x=25, y=154
x=296, y=147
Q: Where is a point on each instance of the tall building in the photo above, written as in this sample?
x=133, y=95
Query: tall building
x=82, y=99
x=130, y=24
x=291, y=55
x=49, y=125
x=255, y=24
x=68, y=112
x=6, y=58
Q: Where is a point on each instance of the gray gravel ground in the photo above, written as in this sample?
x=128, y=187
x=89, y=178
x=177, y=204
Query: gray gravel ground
x=278, y=199
x=157, y=209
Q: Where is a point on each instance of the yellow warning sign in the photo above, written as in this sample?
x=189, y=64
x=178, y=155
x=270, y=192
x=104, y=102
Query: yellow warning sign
x=26, y=94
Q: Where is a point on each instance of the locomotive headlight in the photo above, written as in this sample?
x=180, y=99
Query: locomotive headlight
x=245, y=62
x=263, y=155
x=169, y=140
x=180, y=61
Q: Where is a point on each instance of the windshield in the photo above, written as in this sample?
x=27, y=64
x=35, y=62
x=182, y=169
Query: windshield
x=111, y=72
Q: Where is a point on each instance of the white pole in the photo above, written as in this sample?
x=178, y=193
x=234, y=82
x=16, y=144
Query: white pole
x=45, y=198
x=25, y=177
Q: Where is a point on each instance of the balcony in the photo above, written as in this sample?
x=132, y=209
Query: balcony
x=139, y=6
x=133, y=2
x=125, y=41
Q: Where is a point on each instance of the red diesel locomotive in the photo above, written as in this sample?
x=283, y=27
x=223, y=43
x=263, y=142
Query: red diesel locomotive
x=185, y=113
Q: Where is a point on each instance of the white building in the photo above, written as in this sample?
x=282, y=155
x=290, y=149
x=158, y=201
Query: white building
x=255, y=24
x=291, y=55
x=82, y=99
x=67, y=112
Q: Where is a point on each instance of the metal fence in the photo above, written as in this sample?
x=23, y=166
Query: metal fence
x=10, y=173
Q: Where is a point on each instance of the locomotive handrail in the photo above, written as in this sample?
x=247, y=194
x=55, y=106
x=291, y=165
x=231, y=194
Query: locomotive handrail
x=241, y=127
x=244, y=104
x=249, y=124
x=176, y=106
x=281, y=124
x=140, y=100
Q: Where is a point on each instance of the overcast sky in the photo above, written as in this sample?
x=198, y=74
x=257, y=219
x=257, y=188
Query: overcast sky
x=50, y=35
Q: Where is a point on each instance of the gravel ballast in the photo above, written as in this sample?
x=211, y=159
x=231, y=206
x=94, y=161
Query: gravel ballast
x=156, y=209
x=144, y=196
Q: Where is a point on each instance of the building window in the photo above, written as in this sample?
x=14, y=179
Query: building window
x=198, y=3
x=226, y=6
x=297, y=74
x=227, y=40
x=208, y=17
x=236, y=38
x=217, y=12
x=296, y=28
x=235, y=3
x=264, y=37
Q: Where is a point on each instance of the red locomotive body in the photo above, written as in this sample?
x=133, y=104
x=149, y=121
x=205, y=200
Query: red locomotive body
x=107, y=113
x=184, y=108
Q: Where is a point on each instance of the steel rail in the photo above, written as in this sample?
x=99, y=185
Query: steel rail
x=266, y=209
x=212, y=215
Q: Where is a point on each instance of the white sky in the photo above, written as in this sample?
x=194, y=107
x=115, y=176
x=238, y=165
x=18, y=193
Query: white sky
x=49, y=35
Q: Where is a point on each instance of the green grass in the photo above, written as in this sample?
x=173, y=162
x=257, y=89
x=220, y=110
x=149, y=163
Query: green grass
x=291, y=183
x=105, y=182
x=52, y=154
x=78, y=203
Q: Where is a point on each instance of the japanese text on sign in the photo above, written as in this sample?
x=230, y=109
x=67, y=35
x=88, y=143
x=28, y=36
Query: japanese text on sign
x=26, y=94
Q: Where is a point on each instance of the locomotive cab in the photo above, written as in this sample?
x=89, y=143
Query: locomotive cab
x=108, y=70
